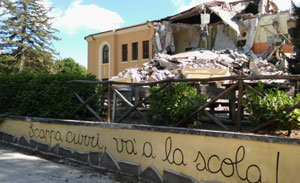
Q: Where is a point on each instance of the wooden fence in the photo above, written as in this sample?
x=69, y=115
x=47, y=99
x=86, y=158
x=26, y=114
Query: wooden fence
x=134, y=97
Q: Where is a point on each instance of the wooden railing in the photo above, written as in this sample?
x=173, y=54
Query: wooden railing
x=235, y=91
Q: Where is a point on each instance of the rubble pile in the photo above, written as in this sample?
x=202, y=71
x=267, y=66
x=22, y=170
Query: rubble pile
x=199, y=64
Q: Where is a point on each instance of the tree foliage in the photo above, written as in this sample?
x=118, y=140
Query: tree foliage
x=26, y=32
x=171, y=105
x=272, y=106
x=294, y=64
x=45, y=95
x=68, y=65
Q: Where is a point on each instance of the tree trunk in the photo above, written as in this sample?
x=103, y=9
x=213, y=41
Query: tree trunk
x=22, y=64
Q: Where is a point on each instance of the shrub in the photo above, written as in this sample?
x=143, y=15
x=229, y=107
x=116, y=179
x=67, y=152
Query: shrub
x=272, y=106
x=44, y=95
x=169, y=105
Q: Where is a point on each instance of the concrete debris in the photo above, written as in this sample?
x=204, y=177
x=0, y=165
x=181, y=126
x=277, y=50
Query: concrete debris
x=200, y=64
x=223, y=41
x=163, y=38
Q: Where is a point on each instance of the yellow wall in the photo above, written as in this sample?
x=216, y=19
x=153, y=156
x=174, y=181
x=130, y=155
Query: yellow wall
x=129, y=37
x=115, y=39
x=199, y=156
x=183, y=38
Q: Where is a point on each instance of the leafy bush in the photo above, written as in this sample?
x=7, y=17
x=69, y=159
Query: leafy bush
x=170, y=106
x=272, y=106
x=44, y=95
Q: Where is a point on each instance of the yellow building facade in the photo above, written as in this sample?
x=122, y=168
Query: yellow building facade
x=113, y=51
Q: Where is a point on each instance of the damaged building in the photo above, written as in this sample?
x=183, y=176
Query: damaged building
x=214, y=37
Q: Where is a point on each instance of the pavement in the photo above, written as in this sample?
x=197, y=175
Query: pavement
x=16, y=167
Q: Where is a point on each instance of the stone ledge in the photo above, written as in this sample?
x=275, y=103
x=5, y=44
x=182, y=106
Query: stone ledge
x=152, y=174
x=109, y=162
x=24, y=141
x=1, y=136
x=43, y=147
x=16, y=140
x=64, y=152
x=174, y=177
x=33, y=144
x=130, y=168
x=8, y=137
x=95, y=158
x=82, y=157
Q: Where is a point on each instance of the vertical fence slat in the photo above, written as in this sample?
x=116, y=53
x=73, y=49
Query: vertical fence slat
x=240, y=106
x=109, y=104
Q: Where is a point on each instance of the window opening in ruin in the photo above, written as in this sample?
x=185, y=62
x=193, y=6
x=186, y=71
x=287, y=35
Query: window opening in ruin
x=135, y=51
x=124, y=52
x=145, y=49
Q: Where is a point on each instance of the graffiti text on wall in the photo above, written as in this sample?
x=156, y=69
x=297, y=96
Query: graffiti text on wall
x=169, y=151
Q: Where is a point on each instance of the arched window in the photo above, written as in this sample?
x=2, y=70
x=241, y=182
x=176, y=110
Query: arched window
x=105, y=54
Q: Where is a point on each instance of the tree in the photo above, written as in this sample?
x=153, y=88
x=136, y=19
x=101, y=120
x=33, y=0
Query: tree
x=25, y=29
x=68, y=65
x=294, y=64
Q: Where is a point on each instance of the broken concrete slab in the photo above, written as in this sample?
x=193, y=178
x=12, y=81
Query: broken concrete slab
x=234, y=62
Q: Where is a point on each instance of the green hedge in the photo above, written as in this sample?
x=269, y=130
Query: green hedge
x=272, y=106
x=170, y=105
x=44, y=95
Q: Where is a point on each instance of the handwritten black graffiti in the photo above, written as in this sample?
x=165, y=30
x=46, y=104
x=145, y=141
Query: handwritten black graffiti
x=233, y=164
x=44, y=134
x=171, y=154
x=85, y=140
x=148, y=150
x=127, y=145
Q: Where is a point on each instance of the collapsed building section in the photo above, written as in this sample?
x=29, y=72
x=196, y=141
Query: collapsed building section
x=218, y=39
x=217, y=25
x=255, y=28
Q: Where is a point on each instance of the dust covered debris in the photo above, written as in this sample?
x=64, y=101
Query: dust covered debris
x=200, y=64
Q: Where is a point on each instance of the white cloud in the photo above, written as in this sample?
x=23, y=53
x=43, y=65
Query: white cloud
x=184, y=5
x=283, y=5
x=78, y=16
x=297, y=2
x=46, y=3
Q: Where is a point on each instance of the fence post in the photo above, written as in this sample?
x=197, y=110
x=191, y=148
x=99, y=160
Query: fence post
x=240, y=106
x=108, y=103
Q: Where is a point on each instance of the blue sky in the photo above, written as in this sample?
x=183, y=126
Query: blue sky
x=76, y=19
